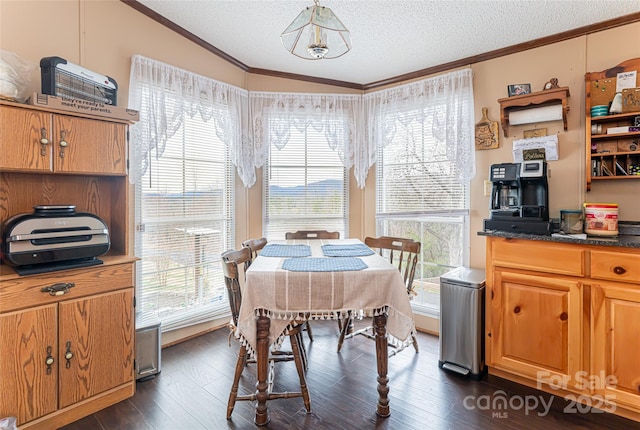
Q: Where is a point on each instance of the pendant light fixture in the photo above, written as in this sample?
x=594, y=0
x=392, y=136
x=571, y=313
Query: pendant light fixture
x=316, y=34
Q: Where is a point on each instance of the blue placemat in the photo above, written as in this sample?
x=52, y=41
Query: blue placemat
x=276, y=250
x=334, y=264
x=352, y=250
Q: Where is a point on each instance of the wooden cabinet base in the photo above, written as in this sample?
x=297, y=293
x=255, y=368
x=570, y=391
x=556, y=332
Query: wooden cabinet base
x=82, y=409
x=564, y=318
x=565, y=395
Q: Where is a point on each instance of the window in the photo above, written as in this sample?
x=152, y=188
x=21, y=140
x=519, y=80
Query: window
x=185, y=213
x=305, y=186
x=419, y=193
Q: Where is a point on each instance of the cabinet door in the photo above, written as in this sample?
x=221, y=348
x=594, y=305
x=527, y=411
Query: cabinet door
x=96, y=344
x=536, y=325
x=28, y=386
x=616, y=343
x=89, y=146
x=21, y=134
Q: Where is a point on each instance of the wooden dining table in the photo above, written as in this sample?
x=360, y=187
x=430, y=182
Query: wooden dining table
x=299, y=282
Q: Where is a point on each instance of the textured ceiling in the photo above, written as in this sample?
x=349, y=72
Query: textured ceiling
x=390, y=38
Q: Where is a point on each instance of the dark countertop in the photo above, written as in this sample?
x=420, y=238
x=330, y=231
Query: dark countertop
x=622, y=240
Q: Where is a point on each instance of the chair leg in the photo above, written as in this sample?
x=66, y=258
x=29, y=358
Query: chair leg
x=295, y=348
x=307, y=327
x=415, y=343
x=240, y=364
x=303, y=350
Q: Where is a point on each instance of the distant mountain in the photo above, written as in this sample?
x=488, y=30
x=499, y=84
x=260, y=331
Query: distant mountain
x=320, y=188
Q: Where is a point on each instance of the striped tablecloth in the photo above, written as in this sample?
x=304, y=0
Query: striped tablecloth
x=284, y=294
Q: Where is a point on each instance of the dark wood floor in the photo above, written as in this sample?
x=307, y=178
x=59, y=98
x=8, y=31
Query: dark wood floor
x=192, y=390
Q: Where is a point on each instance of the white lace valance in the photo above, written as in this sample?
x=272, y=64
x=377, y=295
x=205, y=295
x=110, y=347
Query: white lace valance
x=338, y=117
x=445, y=102
x=170, y=94
x=249, y=122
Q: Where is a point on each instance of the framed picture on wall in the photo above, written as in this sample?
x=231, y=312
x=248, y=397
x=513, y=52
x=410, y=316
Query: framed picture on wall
x=518, y=89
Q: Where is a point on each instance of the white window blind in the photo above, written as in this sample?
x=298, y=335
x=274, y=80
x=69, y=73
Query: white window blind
x=414, y=171
x=185, y=213
x=305, y=185
x=421, y=192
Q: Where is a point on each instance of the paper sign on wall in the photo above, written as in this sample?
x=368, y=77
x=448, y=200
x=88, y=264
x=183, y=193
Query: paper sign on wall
x=548, y=145
x=625, y=80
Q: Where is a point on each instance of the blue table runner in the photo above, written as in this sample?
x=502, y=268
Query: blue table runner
x=351, y=250
x=333, y=264
x=277, y=250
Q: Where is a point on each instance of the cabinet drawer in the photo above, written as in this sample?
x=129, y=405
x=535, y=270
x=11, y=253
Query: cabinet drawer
x=615, y=266
x=23, y=292
x=539, y=256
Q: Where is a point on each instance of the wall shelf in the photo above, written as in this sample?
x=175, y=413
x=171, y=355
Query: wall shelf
x=533, y=100
x=610, y=156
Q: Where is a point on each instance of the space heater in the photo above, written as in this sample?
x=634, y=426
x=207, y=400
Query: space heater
x=63, y=79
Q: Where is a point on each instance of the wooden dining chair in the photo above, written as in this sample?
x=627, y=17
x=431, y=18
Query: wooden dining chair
x=255, y=246
x=231, y=261
x=402, y=253
x=312, y=234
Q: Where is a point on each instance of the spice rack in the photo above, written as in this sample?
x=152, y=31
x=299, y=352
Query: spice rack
x=610, y=156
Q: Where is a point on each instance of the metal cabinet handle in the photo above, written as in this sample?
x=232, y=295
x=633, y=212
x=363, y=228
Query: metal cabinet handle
x=68, y=355
x=63, y=143
x=43, y=141
x=58, y=289
x=49, y=360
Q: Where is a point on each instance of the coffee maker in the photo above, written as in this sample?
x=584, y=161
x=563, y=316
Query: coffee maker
x=519, y=198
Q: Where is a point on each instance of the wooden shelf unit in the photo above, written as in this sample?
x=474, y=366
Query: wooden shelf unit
x=609, y=156
x=533, y=100
x=79, y=346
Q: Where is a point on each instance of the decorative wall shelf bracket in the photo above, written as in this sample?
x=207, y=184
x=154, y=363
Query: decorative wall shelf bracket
x=538, y=100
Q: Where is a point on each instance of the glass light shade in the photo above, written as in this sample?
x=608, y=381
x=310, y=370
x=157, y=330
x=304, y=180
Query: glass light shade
x=316, y=33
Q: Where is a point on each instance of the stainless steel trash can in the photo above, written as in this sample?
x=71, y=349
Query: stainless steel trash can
x=148, y=348
x=462, y=321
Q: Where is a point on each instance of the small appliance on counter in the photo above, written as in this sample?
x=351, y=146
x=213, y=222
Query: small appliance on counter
x=519, y=198
x=53, y=237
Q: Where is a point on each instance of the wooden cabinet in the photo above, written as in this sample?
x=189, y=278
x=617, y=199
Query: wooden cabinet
x=29, y=385
x=535, y=318
x=616, y=342
x=42, y=141
x=610, y=156
x=536, y=324
x=615, y=324
x=58, y=355
x=63, y=357
x=565, y=318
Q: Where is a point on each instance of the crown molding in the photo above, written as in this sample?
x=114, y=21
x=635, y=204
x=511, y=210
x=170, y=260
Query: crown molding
x=559, y=37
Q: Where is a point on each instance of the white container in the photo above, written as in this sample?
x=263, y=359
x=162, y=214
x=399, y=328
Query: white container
x=601, y=219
